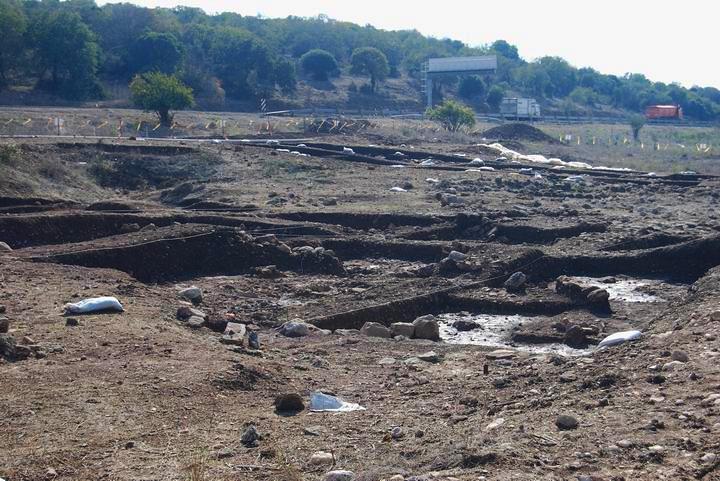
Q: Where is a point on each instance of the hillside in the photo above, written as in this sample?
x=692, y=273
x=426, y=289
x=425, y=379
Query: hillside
x=75, y=51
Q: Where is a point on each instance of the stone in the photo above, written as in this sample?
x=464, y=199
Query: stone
x=709, y=458
x=321, y=458
x=515, y=282
x=235, y=329
x=456, y=256
x=397, y=433
x=464, y=325
x=186, y=312
x=672, y=365
x=192, y=294
x=346, y=332
x=426, y=327
x=625, y=443
x=4, y=325
x=254, y=341
x=406, y=329
x=195, y=322
x=4, y=247
x=680, y=356
x=565, y=422
x=715, y=316
x=329, y=201
x=501, y=354
x=339, y=475
x=289, y=403
x=598, y=296
x=430, y=356
x=72, y=322
x=7, y=346
x=375, y=329
x=2, y=309
x=495, y=424
x=295, y=329
x=250, y=437
x=575, y=337
x=387, y=361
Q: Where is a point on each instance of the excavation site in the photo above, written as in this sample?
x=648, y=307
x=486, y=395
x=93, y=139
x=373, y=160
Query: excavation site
x=400, y=309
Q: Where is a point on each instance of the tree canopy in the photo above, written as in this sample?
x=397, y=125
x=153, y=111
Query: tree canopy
x=370, y=61
x=160, y=93
x=318, y=63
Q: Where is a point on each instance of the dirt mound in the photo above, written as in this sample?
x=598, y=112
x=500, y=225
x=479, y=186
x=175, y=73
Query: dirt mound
x=518, y=131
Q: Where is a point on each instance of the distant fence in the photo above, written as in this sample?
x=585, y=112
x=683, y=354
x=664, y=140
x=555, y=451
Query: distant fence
x=547, y=119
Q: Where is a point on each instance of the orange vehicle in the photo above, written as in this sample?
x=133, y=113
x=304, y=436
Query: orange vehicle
x=663, y=112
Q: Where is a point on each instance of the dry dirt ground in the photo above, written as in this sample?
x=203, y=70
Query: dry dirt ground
x=140, y=395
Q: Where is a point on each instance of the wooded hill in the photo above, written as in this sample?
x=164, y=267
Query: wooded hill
x=73, y=49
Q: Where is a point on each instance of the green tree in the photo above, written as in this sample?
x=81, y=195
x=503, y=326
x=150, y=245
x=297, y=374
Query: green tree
x=156, y=52
x=318, y=63
x=241, y=61
x=285, y=75
x=66, y=49
x=160, y=93
x=495, y=96
x=12, y=26
x=370, y=61
x=502, y=47
x=637, y=122
x=471, y=87
x=452, y=115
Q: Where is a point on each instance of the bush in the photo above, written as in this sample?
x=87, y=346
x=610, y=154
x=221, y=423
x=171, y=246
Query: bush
x=452, y=115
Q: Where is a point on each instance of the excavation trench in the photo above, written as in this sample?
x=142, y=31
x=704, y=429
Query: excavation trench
x=485, y=229
x=34, y=230
x=191, y=252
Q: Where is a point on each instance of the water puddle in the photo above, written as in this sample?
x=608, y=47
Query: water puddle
x=495, y=331
x=626, y=289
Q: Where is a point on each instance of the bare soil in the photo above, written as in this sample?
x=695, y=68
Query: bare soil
x=140, y=395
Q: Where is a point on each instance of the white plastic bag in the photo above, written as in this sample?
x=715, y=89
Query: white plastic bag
x=619, y=338
x=320, y=402
x=94, y=304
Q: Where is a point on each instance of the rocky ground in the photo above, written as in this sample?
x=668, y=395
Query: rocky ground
x=457, y=297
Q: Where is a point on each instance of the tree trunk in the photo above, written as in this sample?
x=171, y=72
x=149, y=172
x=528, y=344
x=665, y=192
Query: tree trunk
x=165, y=117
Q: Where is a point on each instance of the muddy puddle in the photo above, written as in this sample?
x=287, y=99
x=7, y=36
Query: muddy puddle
x=495, y=331
x=634, y=290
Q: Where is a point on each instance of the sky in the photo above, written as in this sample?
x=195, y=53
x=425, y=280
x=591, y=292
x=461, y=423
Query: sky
x=667, y=40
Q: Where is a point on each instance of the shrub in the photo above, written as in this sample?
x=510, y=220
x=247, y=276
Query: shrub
x=452, y=115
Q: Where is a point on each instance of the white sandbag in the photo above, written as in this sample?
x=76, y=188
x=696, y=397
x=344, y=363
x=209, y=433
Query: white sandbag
x=327, y=403
x=619, y=338
x=397, y=189
x=348, y=150
x=94, y=304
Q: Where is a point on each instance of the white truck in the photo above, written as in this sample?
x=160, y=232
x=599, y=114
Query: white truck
x=520, y=108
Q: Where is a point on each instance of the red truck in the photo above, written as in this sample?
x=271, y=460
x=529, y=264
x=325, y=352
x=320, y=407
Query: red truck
x=663, y=112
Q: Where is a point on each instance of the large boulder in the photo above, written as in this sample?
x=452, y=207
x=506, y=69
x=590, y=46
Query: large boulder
x=192, y=294
x=295, y=329
x=375, y=329
x=406, y=329
x=427, y=327
x=515, y=282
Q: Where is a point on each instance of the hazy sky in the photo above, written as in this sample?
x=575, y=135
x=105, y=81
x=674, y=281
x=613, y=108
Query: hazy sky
x=669, y=41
